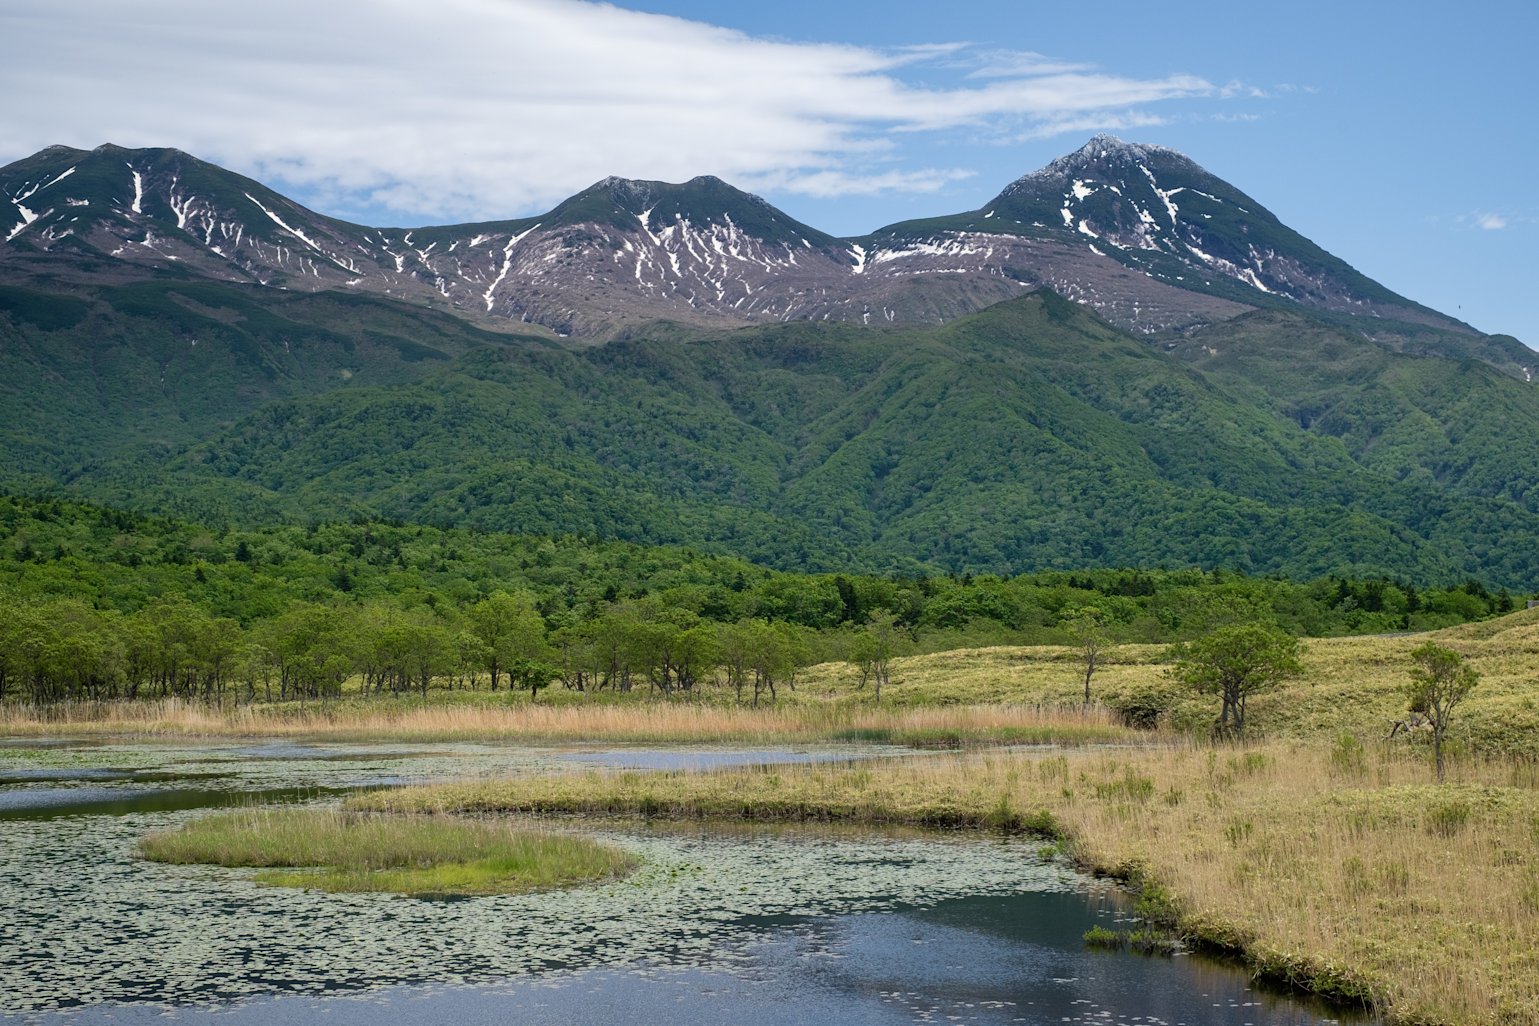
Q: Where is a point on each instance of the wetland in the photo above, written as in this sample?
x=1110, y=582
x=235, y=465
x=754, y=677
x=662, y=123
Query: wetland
x=757, y=922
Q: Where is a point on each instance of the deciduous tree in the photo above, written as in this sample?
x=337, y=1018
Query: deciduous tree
x=504, y=627
x=1440, y=680
x=1087, y=626
x=874, y=649
x=1236, y=661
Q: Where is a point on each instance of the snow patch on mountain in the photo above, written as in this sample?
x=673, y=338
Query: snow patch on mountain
x=507, y=263
x=301, y=236
x=1170, y=206
x=27, y=217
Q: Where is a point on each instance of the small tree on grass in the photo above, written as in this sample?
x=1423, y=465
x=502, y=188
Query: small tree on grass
x=1236, y=661
x=1087, y=626
x=874, y=648
x=1439, y=681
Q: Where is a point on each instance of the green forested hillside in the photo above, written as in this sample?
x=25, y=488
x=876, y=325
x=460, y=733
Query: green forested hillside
x=1031, y=435
x=1422, y=419
x=89, y=376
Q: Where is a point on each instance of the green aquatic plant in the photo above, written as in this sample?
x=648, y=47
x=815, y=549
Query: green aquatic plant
x=1101, y=937
x=341, y=851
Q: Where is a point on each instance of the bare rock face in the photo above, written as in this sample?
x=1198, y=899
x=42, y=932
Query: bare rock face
x=1141, y=234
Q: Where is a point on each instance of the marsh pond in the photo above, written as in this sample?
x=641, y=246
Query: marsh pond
x=728, y=925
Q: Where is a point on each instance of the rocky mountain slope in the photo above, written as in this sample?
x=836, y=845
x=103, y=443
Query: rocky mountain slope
x=1141, y=234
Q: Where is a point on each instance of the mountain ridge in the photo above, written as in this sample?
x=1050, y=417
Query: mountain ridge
x=708, y=254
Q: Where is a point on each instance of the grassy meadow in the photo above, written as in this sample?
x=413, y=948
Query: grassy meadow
x=631, y=720
x=1350, y=685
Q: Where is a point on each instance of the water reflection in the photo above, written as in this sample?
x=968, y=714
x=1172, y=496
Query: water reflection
x=21, y=776
x=40, y=803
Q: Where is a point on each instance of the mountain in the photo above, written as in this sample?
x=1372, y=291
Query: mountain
x=1214, y=390
x=1159, y=212
x=619, y=253
x=1141, y=234
x=153, y=365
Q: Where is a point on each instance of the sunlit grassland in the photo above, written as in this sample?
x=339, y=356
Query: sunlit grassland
x=333, y=850
x=964, y=696
x=1342, y=869
x=1349, y=685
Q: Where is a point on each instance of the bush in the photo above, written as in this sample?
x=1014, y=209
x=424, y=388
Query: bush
x=1142, y=705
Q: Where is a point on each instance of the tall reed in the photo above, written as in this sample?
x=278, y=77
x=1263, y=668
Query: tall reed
x=638, y=721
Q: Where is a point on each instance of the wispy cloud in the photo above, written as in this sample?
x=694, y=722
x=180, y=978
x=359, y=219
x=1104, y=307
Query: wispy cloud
x=1491, y=221
x=1233, y=88
x=481, y=108
x=830, y=183
x=1093, y=121
x=1019, y=63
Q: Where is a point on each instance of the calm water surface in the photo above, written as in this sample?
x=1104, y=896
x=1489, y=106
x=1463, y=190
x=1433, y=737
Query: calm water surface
x=733, y=926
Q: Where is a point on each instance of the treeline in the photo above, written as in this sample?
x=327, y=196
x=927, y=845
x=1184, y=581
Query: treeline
x=98, y=603
x=62, y=649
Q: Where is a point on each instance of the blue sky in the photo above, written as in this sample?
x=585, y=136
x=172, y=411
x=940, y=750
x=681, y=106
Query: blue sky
x=1403, y=137
x=1400, y=137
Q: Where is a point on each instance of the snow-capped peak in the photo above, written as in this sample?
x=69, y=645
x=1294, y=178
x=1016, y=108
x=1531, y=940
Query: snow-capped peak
x=1101, y=150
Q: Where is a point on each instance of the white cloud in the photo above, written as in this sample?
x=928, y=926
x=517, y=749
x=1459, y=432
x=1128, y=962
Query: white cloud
x=829, y=183
x=1016, y=63
x=1094, y=121
x=1491, y=222
x=484, y=108
x=1230, y=90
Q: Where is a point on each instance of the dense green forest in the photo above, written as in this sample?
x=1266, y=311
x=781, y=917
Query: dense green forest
x=100, y=603
x=1031, y=435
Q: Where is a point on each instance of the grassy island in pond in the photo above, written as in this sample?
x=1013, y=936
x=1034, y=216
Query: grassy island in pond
x=341, y=851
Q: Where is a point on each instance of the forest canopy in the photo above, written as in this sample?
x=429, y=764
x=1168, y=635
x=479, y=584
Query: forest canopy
x=99, y=603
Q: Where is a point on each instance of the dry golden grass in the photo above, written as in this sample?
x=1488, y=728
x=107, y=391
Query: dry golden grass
x=1350, y=685
x=1344, y=869
x=632, y=721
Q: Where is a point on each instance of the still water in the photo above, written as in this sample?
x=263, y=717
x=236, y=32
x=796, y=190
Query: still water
x=748, y=926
